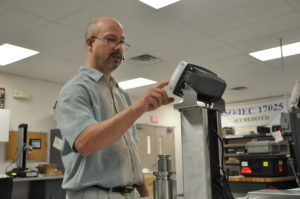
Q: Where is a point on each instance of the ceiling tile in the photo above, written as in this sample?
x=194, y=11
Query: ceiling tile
x=238, y=69
x=41, y=66
x=49, y=36
x=264, y=28
x=53, y=9
x=189, y=11
x=229, y=69
x=214, y=34
x=67, y=70
x=295, y=3
x=180, y=50
x=243, y=16
x=154, y=32
x=270, y=41
x=118, y=9
x=158, y=72
x=16, y=20
x=2, y=5
x=270, y=83
x=264, y=84
x=212, y=56
x=8, y=36
x=73, y=50
x=290, y=65
x=4, y=2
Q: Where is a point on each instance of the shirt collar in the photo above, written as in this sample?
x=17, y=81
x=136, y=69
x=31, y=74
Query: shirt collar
x=95, y=74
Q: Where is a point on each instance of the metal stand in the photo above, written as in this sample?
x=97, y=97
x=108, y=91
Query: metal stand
x=200, y=150
x=23, y=147
x=21, y=160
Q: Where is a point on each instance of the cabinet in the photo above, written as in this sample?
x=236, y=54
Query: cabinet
x=38, y=188
x=32, y=188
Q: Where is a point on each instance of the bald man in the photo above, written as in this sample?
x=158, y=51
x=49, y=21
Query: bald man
x=96, y=119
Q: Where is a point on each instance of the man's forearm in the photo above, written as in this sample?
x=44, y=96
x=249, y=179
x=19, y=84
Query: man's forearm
x=105, y=133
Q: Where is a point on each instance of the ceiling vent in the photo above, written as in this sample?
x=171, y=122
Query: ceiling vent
x=239, y=88
x=145, y=59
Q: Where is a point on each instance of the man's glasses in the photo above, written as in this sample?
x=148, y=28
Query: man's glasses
x=113, y=43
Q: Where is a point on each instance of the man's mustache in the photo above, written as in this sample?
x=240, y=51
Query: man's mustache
x=116, y=54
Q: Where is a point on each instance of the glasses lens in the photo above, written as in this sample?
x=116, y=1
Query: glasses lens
x=126, y=46
x=115, y=44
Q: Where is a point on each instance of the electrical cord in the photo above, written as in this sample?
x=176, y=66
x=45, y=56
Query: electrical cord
x=224, y=176
x=220, y=181
x=6, y=169
x=291, y=161
x=223, y=190
x=220, y=189
x=11, y=162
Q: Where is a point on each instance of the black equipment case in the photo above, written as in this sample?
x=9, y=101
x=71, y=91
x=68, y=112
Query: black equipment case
x=263, y=165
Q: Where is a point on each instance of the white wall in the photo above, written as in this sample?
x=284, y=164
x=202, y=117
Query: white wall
x=35, y=111
x=170, y=118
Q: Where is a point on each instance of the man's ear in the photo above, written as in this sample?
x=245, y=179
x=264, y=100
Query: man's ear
x=89, y=43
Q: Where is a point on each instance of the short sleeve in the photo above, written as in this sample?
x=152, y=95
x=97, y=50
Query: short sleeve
x=73, y=112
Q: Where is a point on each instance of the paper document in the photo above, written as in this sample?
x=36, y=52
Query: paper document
x=277, y=135
x=57, y=143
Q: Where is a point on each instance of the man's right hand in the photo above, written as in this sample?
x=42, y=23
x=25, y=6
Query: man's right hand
x=154, y=98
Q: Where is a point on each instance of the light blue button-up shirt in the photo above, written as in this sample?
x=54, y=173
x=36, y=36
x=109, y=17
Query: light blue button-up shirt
x=82, y=102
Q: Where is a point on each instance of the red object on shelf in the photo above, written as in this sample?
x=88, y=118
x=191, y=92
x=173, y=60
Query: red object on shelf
x=271, y=187
x=280, y=169
x=246, y=170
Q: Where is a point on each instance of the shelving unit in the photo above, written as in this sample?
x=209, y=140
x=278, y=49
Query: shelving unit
x=233, y=145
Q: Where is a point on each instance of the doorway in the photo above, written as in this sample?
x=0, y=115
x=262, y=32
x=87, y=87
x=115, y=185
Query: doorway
x=155, y=140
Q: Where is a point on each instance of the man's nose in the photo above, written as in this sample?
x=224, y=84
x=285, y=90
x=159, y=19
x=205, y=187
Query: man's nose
x=118, y=46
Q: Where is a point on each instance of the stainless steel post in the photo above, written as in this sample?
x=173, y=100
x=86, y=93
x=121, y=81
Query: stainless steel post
x=195, y=150
x=164, y=186
x=161, y=190
x=172, y=185
x=195, y=153
x=164, y=162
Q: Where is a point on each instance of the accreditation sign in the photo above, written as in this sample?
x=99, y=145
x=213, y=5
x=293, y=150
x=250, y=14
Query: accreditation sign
x=255, y=113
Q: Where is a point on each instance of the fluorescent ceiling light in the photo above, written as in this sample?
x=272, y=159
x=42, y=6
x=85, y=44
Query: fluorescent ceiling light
x=10, y=53
x=133, y=83
x=274, y=53
x=157, y=4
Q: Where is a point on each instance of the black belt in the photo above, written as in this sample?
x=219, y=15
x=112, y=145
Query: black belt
x=124, y=190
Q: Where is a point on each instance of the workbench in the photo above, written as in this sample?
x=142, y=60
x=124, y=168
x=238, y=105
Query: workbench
x=241, y=185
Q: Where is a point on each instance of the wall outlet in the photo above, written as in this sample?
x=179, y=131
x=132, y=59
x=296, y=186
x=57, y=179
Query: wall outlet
x=20, y=94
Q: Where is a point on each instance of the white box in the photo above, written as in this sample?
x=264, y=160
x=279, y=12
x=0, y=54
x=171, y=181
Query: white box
x=4, y=125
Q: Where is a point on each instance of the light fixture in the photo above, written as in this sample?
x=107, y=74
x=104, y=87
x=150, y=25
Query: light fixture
x=133, y=83
x=274, y=53
x=10, y=53
x=157, y=4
